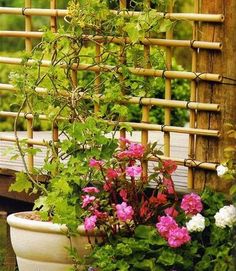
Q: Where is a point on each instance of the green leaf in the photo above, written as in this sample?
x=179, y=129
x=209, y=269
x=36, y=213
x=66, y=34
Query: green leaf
x=167, y=258
x=123, y=250
x=21, y=184
x=232, y=190
x=14, y=157
x=165, y=25
x=132, y=31
x=146, y=264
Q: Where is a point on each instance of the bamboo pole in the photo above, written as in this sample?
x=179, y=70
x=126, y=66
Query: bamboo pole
x=136, y=100
x=27, y=140
x=193, y=90
x=141, y=126
x=137, y=71
x=145, y=108
x=179, y=161
x=97, y=82
x=121, y=40
x=174, y=129
x=188, y=162
x=28, y=48
x=215, y=18
x=27, y=116
x=167, y=111
x=210, y=150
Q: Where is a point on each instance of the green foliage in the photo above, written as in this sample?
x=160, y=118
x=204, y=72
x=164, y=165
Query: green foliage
x=21, y=184
x=147, y=250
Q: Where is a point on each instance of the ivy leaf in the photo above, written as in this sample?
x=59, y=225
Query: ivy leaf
x=165, y=25
x=21, y=184
x=132, y=31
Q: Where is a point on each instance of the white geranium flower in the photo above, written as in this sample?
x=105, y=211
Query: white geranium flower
x=221, y=170
x=197, y=223
x=226, y=216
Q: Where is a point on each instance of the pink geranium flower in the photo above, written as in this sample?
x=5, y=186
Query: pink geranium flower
x=133, y=171
x=171, y=211
x=123, y=154
x=90, y=223
x=96, y=163
x=124, y=212
x=87, y=200
x=191, y=204
x=111, y=174
x=177, y=237
x=91, y=189
x=165, y=225
x=136, y=150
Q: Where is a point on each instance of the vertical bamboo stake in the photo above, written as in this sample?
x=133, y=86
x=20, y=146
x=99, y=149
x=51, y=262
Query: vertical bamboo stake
x=53, y=26
x=192, y=119
x=97, y=74
x=28, y=48
x=145, y=108
x=123, y=5
x=209, y=149
x=169, y=35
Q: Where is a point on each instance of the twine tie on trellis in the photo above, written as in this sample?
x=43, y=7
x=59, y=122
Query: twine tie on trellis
x=230, y=79
x=196, y=165
x=23, y=11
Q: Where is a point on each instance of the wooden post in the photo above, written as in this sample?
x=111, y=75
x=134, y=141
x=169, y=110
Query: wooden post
x=209, y=149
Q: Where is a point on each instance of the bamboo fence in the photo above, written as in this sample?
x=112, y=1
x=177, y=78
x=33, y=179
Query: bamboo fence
x=195, y=76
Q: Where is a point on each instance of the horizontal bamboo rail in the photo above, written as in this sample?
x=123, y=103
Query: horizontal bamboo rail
x=166, y=128
x=143, y=126
x=121, y=40
x=27, y=140
x=138, y=100
x=27, y=116
x=137, y=71
x=179, y=161
x=215, y=18
x=191, y=163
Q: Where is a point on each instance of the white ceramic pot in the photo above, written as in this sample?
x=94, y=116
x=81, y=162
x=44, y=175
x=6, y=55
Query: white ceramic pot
x=41, y=246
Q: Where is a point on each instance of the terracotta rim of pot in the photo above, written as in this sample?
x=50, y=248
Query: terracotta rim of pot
x=17, y=221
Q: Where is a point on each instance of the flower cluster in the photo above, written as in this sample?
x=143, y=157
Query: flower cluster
x=191, y=204
x=196, y=224
x=169, y=229
x=221, y=170
x=117, y=198
x=226, y=217
x=118, y=193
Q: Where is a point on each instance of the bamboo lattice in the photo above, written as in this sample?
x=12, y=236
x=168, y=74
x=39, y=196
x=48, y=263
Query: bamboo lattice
x=146, y=103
